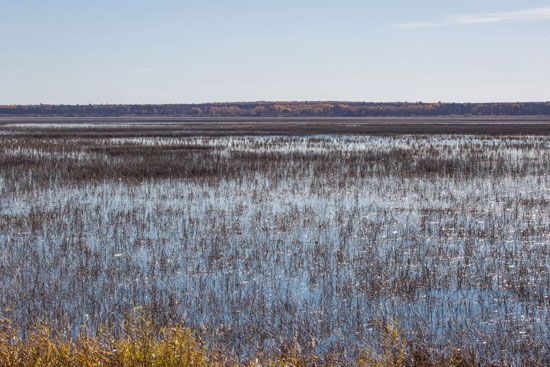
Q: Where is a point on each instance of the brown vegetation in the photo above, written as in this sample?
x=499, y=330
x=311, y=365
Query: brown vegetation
x=293, y=250
x=90, y=128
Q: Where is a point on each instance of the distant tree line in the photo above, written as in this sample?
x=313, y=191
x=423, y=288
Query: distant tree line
x=283, y=109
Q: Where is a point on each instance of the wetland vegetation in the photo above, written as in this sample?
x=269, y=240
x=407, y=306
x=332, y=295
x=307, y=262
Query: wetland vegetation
x=324, y=249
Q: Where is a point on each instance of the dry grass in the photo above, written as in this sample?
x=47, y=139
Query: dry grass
x=143, y=344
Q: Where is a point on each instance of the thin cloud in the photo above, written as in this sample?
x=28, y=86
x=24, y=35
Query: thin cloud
x=465, y=19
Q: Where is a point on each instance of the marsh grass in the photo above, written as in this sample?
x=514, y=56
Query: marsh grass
x=142, y=343
x=264, y=244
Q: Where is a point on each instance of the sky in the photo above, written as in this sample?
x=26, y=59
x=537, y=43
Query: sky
x=144, y=51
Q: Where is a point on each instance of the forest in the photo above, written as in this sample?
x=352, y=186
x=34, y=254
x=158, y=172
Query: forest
x=282, y=109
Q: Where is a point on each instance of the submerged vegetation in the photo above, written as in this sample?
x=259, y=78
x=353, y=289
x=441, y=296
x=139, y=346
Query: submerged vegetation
x=277, y=250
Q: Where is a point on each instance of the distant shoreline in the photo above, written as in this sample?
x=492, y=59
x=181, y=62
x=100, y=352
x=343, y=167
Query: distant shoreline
x=311, y=109
x=157, y=126
x=178, y=119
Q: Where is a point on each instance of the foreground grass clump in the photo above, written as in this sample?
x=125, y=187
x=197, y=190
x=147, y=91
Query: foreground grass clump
x=140, y=345
x=144, y=344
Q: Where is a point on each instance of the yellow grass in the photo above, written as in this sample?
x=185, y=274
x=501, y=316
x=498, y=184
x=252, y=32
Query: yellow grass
x=144, y=345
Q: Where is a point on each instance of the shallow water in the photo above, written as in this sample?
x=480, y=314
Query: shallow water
x=292, y=252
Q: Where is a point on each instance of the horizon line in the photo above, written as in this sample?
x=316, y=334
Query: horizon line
x=11, y=105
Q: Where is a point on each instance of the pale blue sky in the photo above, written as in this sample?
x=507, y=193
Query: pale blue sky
x=99, y=51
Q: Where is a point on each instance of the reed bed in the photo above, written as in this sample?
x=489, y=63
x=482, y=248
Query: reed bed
x=280, y=247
